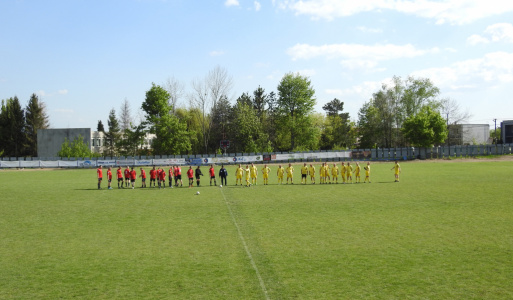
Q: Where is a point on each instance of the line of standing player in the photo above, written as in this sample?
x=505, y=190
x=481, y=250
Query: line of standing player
x=328, y=175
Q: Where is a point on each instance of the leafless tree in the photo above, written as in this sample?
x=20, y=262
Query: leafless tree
x=125, y=115
x=206, y=93
x=453, y=112
x=176, y=91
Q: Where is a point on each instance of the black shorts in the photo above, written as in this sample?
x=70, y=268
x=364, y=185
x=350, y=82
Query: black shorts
x=212, y=177
x=100, y=179
x=110, y=180
x=120, y=179
x=197, y=177
x=303, y=176
x=152, y=179
x=127, y=178
x=132, y=180
x=144, y=180
x=178, y=177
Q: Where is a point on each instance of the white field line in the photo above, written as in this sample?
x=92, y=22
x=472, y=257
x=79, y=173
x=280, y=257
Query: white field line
x=253, y=264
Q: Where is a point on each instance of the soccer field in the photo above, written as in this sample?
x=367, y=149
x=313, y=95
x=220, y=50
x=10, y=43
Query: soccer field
x=444, y=232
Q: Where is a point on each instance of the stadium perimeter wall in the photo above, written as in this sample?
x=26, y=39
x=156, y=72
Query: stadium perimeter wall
x=379, y=154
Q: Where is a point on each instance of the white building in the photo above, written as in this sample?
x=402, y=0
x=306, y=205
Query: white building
x=469, y=134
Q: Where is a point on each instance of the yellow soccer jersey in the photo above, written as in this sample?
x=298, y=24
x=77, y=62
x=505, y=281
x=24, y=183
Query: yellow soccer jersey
x=397, y=168
x=280, y=172
x=304, y=170
x=334, y=171
x=357, y=170
x=349, y=169
x=266, y=170
x=367, y=170
x=290, y=170
x=253, y=171
x=239, y=172
x=322, y=171
x=311, y=170
x=247, y=173
x=343, y=169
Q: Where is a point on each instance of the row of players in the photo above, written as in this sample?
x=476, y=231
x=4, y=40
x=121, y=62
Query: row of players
x=158, y=175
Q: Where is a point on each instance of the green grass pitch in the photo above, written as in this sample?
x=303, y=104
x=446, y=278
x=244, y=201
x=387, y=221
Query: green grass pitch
x=444, y=232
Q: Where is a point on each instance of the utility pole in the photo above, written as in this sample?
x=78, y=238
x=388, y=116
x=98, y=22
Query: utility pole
x=495, y=133
x=448, y=135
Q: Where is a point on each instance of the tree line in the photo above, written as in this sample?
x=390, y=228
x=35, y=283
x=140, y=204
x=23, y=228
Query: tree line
x=18, y=126
x=403, y=113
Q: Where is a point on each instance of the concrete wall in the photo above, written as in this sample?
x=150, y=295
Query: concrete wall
x=479, y=133
x=49, y=141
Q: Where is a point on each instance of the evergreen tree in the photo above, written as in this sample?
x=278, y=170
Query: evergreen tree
x=100, y=127
x=113, y=135
x=35, y=118
x=12, y=127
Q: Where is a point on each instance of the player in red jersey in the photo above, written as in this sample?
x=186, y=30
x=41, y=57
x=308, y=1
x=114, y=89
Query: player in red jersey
x=178, y=175
x=162, y=178
x=170, y=176
x=190, y=175
x=133, y=177
x=109, y=177
x=99, y=174
x=127, y=176
x=143, y=178
x=119, y=173
x=212, y=174
x=153, y=175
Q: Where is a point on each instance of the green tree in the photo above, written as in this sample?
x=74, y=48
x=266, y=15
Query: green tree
x=76, y=148
x=35, y=118
x=113, y=135
x=100, y=127
x=336, y=131
x=12, y=128
x=133, y=140
x=369, y=126
x=250, y=136
x=172, y=136
x=294, y=105
x=426, y=128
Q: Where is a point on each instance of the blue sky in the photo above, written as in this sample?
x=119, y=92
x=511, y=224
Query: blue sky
x=85, y=57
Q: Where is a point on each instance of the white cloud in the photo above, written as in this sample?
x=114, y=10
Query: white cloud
x=356, y=56
x=231, y=3
x=62, y=92
x=444, y=11
x=216, y=53
x=500, y=32
x=258, y=6
x=477, y=39
x=492, y=69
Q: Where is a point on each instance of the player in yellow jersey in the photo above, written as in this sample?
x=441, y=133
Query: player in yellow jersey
x=367, y=173
x=311, y=171
x=343, y=172
x=304, y=172
x=349, y=172
x=327, y=179
x=247, y=173
x=238, y=175
x=253, y=172
x=334, y=173
x=280, y=173
x=265, y=171
x=397, y=170
x=322, y=170
x=290, y=173
x=356, y=172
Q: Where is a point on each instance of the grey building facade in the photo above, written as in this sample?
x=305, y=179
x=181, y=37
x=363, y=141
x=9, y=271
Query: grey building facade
x=507, y=131
x=49, y=141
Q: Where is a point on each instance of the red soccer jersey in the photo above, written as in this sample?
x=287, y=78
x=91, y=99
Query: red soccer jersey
x=162, y=175
x=127, y=173
x=153, y=174
x=178, y=171
x=171, y=171
x=212, y=172
x=120, y=173
x=133, y=175
x=143, y=174
x=190, y=173
x=109, y=174
x=99, y=172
